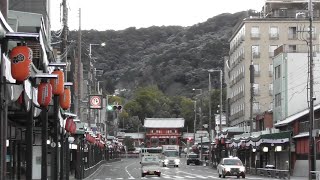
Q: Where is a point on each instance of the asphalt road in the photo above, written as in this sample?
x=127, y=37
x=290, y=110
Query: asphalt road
x=130, y=169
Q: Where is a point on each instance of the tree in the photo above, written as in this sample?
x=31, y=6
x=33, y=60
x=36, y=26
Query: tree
x=128, y=142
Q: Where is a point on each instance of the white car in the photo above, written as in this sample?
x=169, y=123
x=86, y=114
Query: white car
x=150, y=165
x=231, y=166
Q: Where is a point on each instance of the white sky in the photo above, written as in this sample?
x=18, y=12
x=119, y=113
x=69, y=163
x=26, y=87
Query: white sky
x=121, y=14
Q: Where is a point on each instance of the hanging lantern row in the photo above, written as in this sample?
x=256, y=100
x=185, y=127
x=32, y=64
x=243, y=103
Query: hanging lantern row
x=221, y=141
x=90, y=138
x=100, y=144
x=65, y=99
x=58, y=83
x=70, y=126
x=21, y=58
x=44, y=94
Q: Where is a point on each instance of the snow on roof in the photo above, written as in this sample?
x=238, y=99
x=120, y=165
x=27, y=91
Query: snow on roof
x=164, y=123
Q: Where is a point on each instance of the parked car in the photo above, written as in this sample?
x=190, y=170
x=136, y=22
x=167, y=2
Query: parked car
x=150, y=165
x=231, y=166
x=193, y=158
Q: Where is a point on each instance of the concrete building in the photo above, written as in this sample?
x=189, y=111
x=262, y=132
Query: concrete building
x=291, y=110
x=254, y=42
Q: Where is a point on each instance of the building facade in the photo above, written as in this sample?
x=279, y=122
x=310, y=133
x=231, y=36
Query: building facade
x=163, y=131
x=254, y=42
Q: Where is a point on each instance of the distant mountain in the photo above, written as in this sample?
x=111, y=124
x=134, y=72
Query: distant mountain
x=174, y=58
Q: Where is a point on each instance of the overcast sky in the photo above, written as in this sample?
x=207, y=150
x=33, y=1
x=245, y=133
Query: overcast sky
x=121, y=14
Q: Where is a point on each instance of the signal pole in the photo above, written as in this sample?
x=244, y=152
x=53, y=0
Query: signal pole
x=312, y=160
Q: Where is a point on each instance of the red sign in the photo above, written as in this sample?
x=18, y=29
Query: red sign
x=95, y=102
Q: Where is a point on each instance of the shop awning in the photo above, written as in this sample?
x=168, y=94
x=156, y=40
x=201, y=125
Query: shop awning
x=295, y=116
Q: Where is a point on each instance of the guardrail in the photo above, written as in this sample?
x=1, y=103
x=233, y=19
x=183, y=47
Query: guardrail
x=273, y=173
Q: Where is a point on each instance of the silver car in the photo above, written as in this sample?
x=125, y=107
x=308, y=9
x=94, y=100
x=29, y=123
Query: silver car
x=231, y=166
x=150, y=165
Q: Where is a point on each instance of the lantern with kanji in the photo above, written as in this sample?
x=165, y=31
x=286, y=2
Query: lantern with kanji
x=65, y=99
x=44, y=94
x=21, y=58
x=58, y=83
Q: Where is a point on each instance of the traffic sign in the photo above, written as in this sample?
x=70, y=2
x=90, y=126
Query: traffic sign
x=95, y=101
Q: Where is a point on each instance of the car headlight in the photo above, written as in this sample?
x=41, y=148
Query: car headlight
x=227, y=169
x=177, y=161
x=242, y=169
x=166, y=161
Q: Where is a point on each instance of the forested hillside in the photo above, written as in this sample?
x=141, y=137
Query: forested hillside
x=173, y=58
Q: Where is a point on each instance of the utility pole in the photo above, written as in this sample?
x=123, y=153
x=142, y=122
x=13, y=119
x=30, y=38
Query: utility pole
x=312, y=161
x=78, y=70
x=251, y=96
x=220, y=111
x=64, y=58
x=194, y=122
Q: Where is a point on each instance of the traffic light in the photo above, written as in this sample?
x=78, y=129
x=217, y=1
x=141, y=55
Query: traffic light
x=109, y=108
x=116, y=107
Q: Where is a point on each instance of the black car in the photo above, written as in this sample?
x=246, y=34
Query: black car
x=193, y=158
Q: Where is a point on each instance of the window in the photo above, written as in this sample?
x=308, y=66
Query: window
x=271, y=50
x=274, y=32
x=153, y=131
x=292, y=48
x=270, y=70
x=277, y=72
x=292, y=33
x=256, y=69
x=255, y=51
x=256, y=89
x=277, y=100
x=255, y=34
x=271, y=89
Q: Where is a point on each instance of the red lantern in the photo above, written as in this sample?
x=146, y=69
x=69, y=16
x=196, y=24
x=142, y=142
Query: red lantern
x=44, y=94
x=73, y=128
x=21, y=58
x=217, y=141
x=87, y=137
x=68, y=124
x=222, y=141
x=57, y=84
x=65, y=99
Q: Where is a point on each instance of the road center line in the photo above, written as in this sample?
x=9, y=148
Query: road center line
x=126, y=168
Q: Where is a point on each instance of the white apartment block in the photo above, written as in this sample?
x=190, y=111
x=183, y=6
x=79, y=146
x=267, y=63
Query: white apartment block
x=291, y=82
x=253, y=42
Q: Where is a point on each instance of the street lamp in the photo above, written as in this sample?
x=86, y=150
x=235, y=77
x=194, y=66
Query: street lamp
x=220, y=106
x=90, y=75
x=200, y=107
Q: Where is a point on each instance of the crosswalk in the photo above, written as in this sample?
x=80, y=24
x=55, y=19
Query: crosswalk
x=165, y=177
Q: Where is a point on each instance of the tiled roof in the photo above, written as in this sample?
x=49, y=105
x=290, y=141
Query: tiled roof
x=164, y=123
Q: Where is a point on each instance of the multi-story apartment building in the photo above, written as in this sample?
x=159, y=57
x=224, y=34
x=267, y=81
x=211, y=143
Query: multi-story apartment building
x=253, y=42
